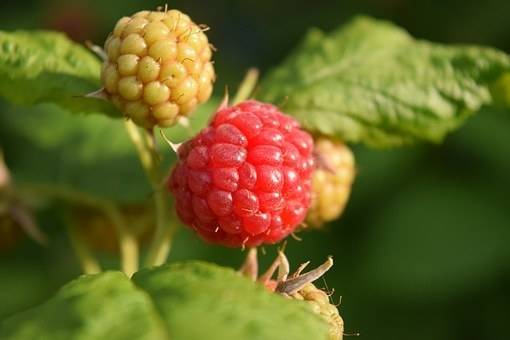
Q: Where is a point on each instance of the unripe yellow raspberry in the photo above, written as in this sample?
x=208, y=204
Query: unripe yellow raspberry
x=319, y=301
x=331, y=182
x=158, y=67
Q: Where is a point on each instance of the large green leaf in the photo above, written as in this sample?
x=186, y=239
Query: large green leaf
x=371, y=82
x=188, y=301
x=47, y=67
x=105, y=306
x=201, y=301
x=93, y=154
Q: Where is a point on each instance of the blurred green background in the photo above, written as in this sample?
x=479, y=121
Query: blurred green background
x=423, y=250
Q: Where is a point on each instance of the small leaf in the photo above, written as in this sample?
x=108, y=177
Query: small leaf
x=371, y=82
x=186, y=301
x=103, y=306
x=47, y=67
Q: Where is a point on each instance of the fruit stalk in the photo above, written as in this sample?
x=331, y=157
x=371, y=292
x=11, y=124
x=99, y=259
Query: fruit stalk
x=87, y=261
x=162, y=241
x=149, y=157
x=127, y=241
x=247, y=86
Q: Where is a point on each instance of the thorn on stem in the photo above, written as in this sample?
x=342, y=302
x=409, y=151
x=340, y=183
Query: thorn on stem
x=98, y=94
x=173, y=146
x=97, y=50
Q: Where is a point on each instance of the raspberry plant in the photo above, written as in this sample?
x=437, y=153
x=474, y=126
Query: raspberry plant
x=245, y=174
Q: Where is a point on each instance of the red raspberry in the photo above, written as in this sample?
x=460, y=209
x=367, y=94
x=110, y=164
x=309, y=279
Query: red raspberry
x=245, y=179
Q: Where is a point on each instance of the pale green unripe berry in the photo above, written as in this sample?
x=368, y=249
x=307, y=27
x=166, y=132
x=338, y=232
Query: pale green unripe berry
x=159, y=67
x=331, y=181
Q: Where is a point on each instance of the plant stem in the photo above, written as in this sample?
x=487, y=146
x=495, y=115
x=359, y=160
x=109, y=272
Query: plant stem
x=146, y=147
x=87, y=261
x=144, y=153
x=127, y=241
x=162, y=241
x=247, y=86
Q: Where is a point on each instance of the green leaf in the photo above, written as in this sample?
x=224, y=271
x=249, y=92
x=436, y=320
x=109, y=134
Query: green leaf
x=47, y=67
x=92, y=154
x=187, y=301
x=371, y=82
x=104, y=306
x=203, y=301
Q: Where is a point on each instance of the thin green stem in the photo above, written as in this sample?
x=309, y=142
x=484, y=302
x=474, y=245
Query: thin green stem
x=247, y=86
x=87, y=261
x=163, y=236
x=146, y=147
x=127, y=241
x=144, y=152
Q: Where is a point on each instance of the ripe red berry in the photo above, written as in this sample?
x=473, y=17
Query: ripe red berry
x=245, y=179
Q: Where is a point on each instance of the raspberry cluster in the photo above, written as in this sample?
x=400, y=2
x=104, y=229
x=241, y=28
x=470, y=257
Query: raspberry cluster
x=158, y=68
x=245, y=180
x=332, y=181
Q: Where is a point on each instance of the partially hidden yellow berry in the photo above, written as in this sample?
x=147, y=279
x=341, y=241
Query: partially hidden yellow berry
x=159, y=67
x=320, y=303
x=297, y=286
x=331, y=182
